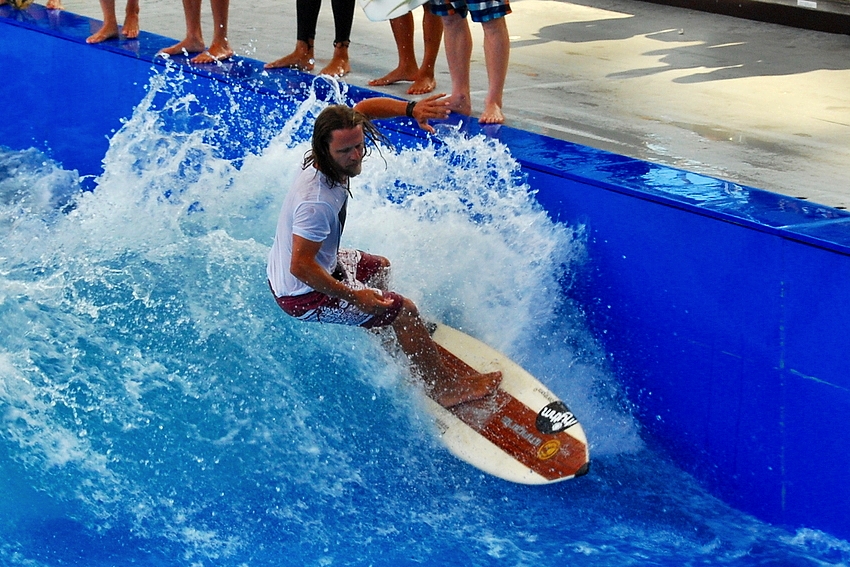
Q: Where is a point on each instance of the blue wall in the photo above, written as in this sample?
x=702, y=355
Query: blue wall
x=725, y=309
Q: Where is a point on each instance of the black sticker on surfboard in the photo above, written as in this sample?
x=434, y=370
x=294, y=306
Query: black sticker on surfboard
x=554, y=418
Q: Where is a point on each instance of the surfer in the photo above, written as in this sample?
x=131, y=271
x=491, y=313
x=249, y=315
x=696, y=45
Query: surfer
x=313, y=279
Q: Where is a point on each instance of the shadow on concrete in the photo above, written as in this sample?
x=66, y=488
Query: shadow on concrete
x=732, y=49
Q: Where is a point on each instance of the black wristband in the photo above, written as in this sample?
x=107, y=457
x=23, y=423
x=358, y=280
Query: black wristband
x=409, y=109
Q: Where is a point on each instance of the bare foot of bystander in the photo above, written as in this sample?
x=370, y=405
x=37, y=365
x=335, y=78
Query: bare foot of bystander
x=492, y=114
x=301, y=59
x=339, y=65
x=185, y=47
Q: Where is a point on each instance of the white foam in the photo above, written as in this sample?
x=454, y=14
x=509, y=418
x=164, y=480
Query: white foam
x=152, y=355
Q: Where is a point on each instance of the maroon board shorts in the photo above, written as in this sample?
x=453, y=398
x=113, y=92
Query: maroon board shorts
x=353, y=268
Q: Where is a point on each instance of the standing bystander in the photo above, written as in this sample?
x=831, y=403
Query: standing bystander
x=497, y=49
x=219, y=49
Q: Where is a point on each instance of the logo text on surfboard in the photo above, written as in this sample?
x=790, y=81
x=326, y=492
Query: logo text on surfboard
x=554, y=418
x=521, y=431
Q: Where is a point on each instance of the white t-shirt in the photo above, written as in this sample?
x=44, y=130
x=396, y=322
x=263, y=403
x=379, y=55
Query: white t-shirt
x=312, y=211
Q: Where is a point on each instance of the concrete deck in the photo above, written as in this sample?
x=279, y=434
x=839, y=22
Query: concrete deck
x=759, y=104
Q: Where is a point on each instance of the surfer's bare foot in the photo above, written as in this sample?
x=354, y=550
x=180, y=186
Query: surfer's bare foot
x=461, y=104
x=339, y=65
x=301, y=59
x=51, y=5
x=130, y=29
x=105, y=33
x=448, y=383
x=467, y=389
x=184, y=47
x=397, y=75
x=214, y=54
x=492, y=114
x=422, y=84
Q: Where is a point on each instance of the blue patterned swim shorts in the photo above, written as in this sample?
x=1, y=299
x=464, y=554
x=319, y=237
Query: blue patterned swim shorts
x=482, y=11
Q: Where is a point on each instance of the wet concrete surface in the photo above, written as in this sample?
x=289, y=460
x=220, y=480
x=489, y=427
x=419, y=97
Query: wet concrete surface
x=760, y=104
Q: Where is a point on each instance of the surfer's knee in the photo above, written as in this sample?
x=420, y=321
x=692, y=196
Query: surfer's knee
x=374, y=270
x=409, y=309
x=384, y=262
x=383, y=273
x=407, y=314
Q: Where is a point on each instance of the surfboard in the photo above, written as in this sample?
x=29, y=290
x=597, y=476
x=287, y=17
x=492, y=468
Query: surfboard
x=380, y=10
x=522, y=433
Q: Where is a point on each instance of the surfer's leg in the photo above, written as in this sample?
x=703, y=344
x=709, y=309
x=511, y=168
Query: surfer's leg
x=407, y=66
x=447, y=388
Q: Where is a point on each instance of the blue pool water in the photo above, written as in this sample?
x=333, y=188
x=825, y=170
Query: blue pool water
x=159, y=409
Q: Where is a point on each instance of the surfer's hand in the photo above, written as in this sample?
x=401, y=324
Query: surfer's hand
x=371, y=301
x=434, y=107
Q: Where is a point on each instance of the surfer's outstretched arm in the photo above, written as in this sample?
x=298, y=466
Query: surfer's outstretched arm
x=434, y=107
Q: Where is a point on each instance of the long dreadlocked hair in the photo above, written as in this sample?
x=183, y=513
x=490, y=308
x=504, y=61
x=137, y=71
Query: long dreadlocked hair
x=338, y=117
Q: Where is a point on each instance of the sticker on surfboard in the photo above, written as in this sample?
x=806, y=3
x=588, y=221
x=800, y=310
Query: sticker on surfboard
x=380, y=10
x=522, y=433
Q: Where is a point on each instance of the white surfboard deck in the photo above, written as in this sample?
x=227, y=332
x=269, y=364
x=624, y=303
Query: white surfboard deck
x=380, y=10
x=523, y=433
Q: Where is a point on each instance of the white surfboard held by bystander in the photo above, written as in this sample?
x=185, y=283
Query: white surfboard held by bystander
x=380, y=10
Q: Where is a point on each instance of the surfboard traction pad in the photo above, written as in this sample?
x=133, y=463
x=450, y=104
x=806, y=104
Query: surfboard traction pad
x=537, y=439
